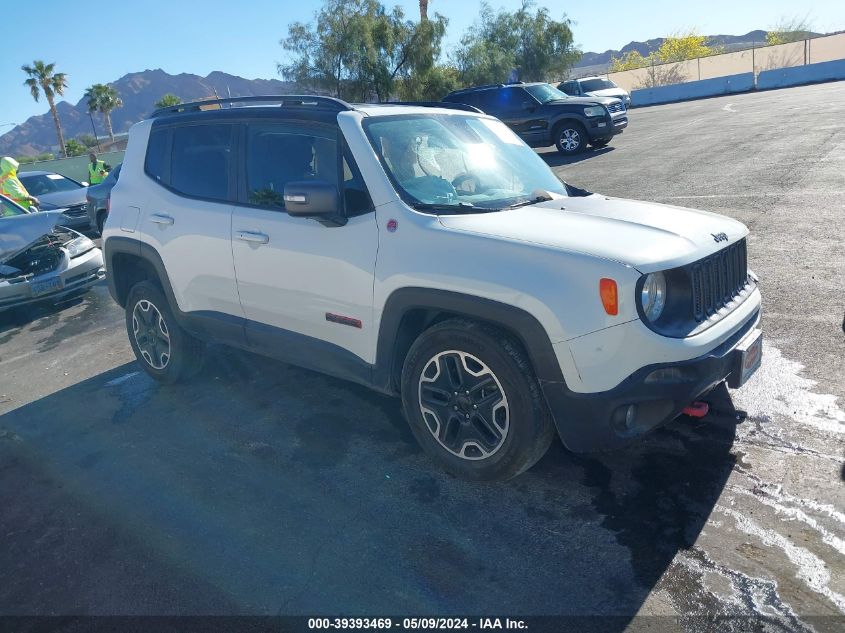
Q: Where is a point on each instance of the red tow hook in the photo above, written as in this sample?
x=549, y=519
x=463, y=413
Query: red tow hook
x=696, y=410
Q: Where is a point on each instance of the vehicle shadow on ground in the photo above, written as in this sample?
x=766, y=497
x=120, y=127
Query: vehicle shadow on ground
x=289, y=492
x=554, y=158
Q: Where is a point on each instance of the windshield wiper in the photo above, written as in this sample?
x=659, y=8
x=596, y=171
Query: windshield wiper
x=460, y=206
x=525, y=203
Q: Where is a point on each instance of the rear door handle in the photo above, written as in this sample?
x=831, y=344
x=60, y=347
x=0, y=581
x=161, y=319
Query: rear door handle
x=161, y=218
x=252, y=236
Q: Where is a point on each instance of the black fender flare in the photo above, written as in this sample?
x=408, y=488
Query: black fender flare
x=521, y=324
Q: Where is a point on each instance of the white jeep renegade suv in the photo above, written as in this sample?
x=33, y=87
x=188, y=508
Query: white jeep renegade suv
x=425, y=252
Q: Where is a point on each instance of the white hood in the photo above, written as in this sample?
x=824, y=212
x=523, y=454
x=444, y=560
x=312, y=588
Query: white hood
x=645, y=235
x=619, y=93
x=17, y=233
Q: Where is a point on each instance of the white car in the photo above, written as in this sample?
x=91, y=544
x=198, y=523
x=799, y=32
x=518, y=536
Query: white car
x=429, y=253
x=595, y=87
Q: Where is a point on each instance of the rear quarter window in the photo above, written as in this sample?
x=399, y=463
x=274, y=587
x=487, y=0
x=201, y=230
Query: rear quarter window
x=201, y=160
x=155, y=163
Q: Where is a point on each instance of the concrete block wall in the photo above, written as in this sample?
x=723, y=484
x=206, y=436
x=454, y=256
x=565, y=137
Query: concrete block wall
x=800, y=75
x=693, y=90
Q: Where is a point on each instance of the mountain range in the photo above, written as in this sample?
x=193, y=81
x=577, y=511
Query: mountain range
x=139, y=92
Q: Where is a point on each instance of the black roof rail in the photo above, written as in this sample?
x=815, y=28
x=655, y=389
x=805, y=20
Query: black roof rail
x=326, y=103
x=448, y=105
x=484, y=87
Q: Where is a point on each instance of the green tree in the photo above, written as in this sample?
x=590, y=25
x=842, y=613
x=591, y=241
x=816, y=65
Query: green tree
x=168, y=101
x=43, y=78
x=75, y=148
x=527, y=43
x=679, y=47
x=357, y=50
x=629, y=61
x=88, y=140
x=788, y=30
x=103, y=98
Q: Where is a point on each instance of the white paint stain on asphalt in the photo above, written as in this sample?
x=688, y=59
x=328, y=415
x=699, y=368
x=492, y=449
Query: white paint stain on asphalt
x=810, y=568
x=121, y=379
x=793, y=514
x=729, y=108
x=778, y=389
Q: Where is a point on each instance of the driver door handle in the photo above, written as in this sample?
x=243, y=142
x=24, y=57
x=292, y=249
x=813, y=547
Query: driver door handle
x=161, y=218
x=252, y=236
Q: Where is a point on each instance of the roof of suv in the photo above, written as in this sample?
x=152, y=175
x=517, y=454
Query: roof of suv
x=305, y=103
x=516, y=84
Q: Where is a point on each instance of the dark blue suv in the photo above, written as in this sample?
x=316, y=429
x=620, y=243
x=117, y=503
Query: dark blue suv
x=542, y=115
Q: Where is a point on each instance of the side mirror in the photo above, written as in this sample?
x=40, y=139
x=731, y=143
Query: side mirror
x=314, y=199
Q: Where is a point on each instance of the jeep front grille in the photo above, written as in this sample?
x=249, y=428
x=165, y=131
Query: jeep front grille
x=717, y=279
x=616, y=107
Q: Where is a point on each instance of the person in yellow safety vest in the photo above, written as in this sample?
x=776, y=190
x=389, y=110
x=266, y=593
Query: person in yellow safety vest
x=97, y=171
x=13, y=188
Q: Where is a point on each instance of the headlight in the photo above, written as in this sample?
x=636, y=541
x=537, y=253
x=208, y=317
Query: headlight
x=79, y=246
x=595, y=111
x=653, y=296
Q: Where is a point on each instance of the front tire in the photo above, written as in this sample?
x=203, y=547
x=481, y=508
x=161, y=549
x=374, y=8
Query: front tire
x=570, y=138
x=164, y=350
x=473, y=403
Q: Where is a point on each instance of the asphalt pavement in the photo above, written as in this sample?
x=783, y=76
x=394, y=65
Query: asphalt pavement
x=261, y=488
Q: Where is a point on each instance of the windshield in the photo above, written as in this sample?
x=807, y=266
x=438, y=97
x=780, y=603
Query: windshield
x=591, y=85
x=469, y=163
x=9, y=209
x=546, y=92
x=41, y=184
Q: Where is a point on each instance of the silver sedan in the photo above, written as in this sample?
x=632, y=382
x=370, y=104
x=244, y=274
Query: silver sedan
x=41, y=261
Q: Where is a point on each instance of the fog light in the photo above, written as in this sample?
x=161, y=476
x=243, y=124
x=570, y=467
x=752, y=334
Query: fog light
x=630, y=416
x=624, y=419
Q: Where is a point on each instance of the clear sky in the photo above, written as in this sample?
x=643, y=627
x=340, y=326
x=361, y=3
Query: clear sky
x=98, y=42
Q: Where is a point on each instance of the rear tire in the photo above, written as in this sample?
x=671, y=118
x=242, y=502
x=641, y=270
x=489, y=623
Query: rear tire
x=473, y=403
x=570, y=138
x=163, y=349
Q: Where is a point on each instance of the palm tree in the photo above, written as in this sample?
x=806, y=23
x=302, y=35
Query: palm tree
x=168, y=100
x=43, y=79
x=423, y=10
x=103, y=99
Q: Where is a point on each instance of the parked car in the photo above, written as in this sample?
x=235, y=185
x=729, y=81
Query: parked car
x=430, y=254
x=40, y=260
x=595, y=87
x=542, y=115
x=99, y=201
x=59, y=193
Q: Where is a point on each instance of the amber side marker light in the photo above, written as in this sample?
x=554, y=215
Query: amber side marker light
x=609, y=296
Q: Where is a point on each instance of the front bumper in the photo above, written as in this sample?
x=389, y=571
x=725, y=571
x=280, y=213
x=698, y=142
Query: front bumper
x=590, y=422
x=607, y=127
x=76, y=275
